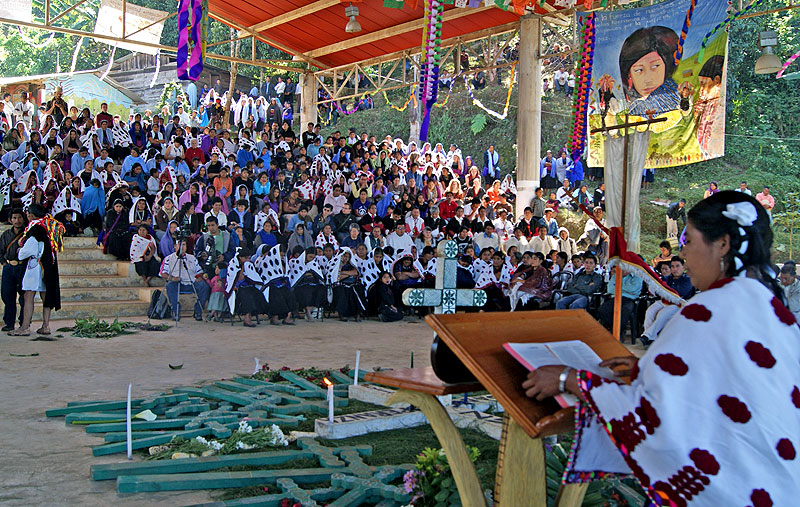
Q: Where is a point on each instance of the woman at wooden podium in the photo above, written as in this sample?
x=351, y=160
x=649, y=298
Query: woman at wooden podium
x=712, y=416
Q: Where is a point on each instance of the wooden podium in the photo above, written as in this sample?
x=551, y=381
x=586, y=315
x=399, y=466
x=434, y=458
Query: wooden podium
x=477, y=339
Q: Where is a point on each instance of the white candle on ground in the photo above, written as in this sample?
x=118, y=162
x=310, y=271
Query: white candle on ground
x=330, y=400
x=358, y=360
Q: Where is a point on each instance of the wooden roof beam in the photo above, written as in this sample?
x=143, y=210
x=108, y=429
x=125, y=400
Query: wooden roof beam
x=271, y=42
x=554, y=16
x=287, y=17
x=378, y=35
x=470, y=37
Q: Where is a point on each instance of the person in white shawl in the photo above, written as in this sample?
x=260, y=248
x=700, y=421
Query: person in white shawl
x=307, y=277
x=712, y=414
x=143, y=254
x=565, y=243
x=495, y=280
x=243, y=286
x=348, y=291
x=65, y=202
x=281, y=303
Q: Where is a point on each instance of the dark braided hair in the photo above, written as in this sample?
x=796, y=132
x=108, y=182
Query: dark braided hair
x=706, y=216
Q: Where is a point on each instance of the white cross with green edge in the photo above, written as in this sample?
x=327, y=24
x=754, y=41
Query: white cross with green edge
x=445, y=297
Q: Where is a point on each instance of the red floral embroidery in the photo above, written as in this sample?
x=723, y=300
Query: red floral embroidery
x=647, y=413
x=734, y=408
x=635, y=371
x=663, y=487
x=697, y=313
x=760, y=354
x=629, y=431
x=783, y=313
x=638, y=471
x=672, y=364
x=786, y=449
x=760, y=498
x=684, y=485
x=796, y=397
x=720, y=283
x=705, y=461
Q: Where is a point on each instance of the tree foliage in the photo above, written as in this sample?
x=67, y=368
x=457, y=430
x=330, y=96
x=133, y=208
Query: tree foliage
x=19, y=58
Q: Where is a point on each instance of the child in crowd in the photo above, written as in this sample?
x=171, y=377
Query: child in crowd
x=217, y=305
x=387, y=312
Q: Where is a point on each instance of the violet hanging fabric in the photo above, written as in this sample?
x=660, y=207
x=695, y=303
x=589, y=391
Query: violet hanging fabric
x=429, y=76
x=190, y=56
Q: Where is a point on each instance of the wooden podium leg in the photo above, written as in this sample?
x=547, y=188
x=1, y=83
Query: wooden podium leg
x=469, y=487
x=520, y=468
x=571, y=495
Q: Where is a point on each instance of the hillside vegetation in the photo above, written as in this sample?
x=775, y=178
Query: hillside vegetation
x=762, y=141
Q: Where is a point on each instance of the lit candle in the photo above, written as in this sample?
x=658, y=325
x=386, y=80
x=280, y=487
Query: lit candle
x=358, y=360
x=330, y=399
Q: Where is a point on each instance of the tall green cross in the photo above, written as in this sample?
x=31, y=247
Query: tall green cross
x=445, y=297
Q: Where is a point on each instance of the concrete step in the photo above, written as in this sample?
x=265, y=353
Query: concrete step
x=84, y=254
x=98, y=281
x=95, y=267
x=93, y=294
x=81, y=242
x=107, y=310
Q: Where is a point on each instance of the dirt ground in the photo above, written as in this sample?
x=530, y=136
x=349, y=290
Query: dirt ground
x=43, y=462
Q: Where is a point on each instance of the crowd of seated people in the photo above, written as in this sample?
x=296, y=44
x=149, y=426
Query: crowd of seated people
x=342, y=224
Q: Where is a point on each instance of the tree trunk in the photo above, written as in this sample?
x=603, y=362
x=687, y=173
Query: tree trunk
x=232, y=85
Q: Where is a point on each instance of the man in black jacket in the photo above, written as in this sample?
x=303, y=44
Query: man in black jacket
x=13, y=269
x=585, y=283
x=676, y=217
x=216, y=245
x=342, y=221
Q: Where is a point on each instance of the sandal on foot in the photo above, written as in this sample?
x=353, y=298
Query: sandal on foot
x=288, y=323
x=249, y=325
x=19, y=332
x=42, y=330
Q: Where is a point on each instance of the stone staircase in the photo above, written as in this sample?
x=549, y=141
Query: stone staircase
x=95, y=284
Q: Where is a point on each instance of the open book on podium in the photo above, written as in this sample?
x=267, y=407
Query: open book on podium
x=478, y=340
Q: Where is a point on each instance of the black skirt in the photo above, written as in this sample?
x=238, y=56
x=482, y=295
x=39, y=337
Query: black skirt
x=250, y=300
x=148, y=268
x=281, y=302
x=550, y=182
x=349, y=299
x=119, y=244
x=310, y=295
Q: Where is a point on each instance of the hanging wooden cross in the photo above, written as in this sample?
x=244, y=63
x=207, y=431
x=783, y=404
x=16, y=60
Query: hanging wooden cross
x=445, y=297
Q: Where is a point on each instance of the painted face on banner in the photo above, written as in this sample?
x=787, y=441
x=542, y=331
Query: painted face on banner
x=647, y=74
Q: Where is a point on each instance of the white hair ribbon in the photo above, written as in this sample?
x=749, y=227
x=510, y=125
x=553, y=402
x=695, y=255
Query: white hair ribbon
x=743, y=213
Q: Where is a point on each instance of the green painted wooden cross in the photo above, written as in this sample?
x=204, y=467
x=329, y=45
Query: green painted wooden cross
x=445, y=297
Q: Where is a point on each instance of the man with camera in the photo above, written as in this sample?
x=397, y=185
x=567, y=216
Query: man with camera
x=182, y=273
x=215, y=245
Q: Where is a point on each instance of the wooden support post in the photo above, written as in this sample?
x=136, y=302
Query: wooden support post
x=520, y=452
x=529, y=114
x=618, y=271
x=308, y=100
x=617, y=326
x=469, y=486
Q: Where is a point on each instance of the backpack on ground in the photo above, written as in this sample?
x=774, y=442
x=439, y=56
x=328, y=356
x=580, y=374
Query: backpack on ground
x=159, y=306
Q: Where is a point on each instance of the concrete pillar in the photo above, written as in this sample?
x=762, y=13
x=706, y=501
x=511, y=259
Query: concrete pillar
x=529, y=112
x=308, y=100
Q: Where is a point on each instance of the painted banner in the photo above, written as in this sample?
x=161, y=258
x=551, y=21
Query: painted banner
x=19, y=10
x=635, y=72
x=109, y=22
